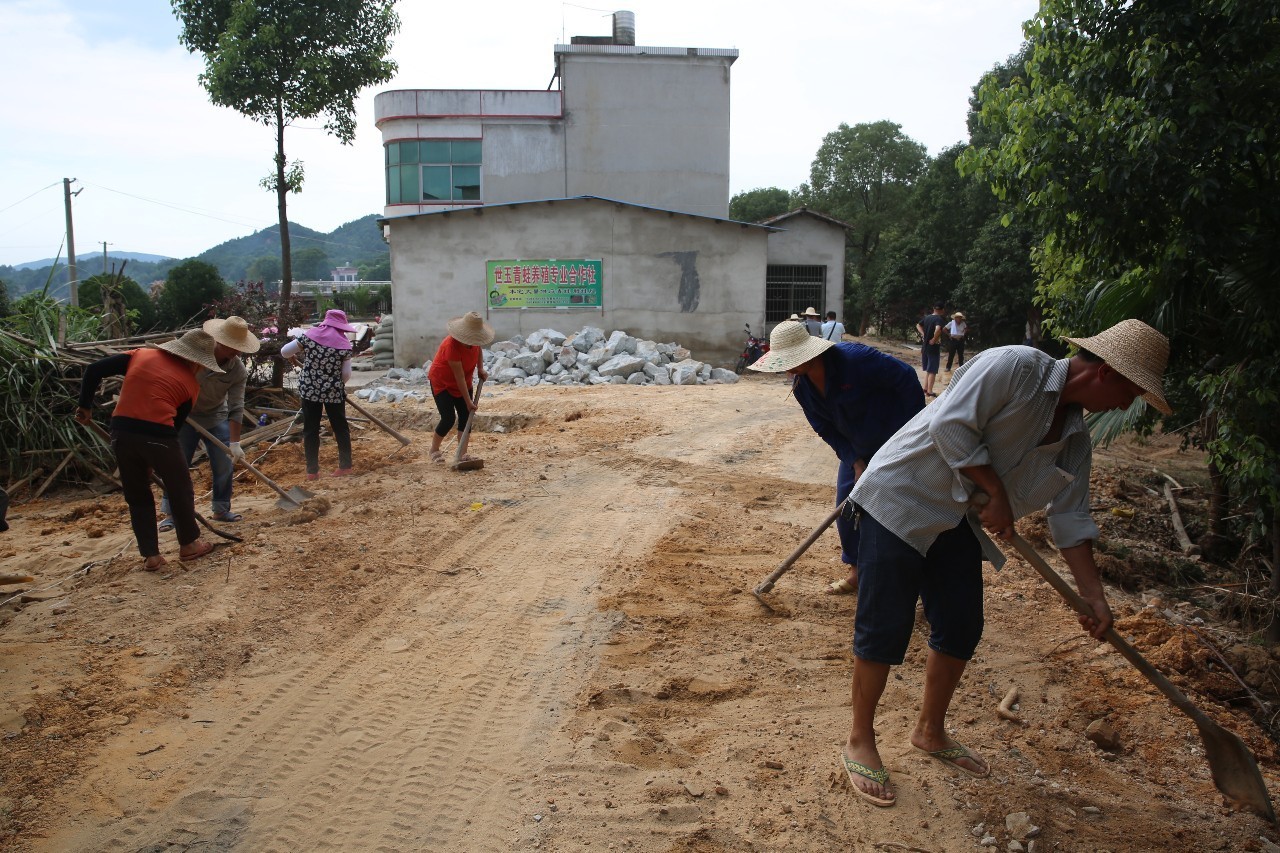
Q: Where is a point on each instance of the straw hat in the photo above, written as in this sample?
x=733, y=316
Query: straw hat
x=957, y=316
x=809, y=312
x=795, y=318
x=233, y=332
x=471, y=329
x=1137, y=352
x=196, y=345
x=790, y=345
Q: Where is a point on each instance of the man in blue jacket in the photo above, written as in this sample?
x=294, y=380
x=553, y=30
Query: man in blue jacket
x=855, y=398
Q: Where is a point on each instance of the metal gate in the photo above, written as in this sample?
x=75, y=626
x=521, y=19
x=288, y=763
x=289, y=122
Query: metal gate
x=791, y=288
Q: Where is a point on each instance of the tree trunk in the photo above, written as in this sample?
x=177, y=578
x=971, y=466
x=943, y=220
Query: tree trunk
x=286, y=259
x=1273, y=628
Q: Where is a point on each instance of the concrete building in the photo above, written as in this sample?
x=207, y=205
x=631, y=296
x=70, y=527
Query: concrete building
x=623, y=170
x=806, y=264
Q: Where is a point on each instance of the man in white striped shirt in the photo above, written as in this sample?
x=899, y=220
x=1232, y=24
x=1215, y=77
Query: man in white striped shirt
x=1010, y=425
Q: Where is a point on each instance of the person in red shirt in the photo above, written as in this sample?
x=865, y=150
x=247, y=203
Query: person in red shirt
x=457, y=358
x=159, y=389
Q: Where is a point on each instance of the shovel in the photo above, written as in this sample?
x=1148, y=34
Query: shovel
x=1234, y=770
x=766, y=585
x=291, y=499
x=470, y=464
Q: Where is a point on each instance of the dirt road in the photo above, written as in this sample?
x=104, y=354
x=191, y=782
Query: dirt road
x=560, y=652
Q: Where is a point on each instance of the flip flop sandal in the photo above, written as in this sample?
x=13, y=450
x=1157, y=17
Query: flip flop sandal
x=841, y=587
x=208, y=548
x=227, y=516
x=437, y=456
x=165, y=525
x=854, y=768
x=952, y=754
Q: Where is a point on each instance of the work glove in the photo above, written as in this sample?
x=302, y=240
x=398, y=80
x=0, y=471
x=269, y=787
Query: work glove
x=236, y=453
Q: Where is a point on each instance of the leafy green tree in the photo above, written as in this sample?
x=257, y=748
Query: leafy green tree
x=1142, y=140
x=997, y=283
x=189, y=291
x=266, y=268
x=280, y=61
x=760, y=204
x=4, y=300
x=142, y=310
x=863, y=175
x=379, y=270
x=311, y=264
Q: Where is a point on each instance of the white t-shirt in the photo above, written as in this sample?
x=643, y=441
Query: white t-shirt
x=956, y=328
x=833, y=330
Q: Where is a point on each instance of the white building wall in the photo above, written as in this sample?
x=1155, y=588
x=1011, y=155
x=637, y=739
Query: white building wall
x=667, y=277
x=648, y=129
x=812, y=241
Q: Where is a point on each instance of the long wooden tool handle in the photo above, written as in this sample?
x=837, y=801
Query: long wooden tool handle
x=767, y=584
x=106, y=436
x=245, y=462
x=1129, y=653
x=466, y=431
x=377, y=420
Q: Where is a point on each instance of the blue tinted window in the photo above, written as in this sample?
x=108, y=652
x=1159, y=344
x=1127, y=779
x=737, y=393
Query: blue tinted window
x=466, y=183
x=434, y=151
x=467, y=151
x=435, y=183
x=409, y=183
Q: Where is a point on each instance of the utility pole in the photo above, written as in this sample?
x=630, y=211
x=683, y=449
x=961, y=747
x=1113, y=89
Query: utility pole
x=71, y=239
x=104, y=256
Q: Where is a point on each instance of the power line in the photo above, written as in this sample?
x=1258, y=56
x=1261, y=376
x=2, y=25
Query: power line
x=37, y=192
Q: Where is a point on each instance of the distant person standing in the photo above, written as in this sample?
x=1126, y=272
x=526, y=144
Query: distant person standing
x=956, y=330
x=930, y=329
x=833, y=329
x=813, y=322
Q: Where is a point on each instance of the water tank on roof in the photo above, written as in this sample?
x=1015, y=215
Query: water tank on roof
x=624, y=28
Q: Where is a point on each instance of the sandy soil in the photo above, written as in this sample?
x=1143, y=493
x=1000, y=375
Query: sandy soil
x=561, y=651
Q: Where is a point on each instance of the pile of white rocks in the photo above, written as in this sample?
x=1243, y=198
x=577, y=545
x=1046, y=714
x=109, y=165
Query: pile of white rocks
x=589, y=357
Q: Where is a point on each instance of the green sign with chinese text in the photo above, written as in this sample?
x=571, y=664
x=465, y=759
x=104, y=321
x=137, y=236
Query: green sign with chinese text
x=551, y=283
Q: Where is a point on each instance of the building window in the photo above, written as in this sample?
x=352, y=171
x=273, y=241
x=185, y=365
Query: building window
x=791, y=288
x=433, y=171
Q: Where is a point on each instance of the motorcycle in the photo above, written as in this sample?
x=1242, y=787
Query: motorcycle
x=751, y=351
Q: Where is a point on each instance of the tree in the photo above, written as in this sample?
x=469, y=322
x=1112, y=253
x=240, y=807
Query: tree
x=311, y=264
x=863, y=175
x=278, y=61
x=191, y=288
x=760, y=204
x=4, y=300
x=266, y=268
x=379, y=270
x=1142, y=141
x=142, y=310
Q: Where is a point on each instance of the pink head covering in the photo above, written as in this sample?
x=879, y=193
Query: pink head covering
x=329, y=332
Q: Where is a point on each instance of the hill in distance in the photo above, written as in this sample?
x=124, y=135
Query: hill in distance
x=256, y=256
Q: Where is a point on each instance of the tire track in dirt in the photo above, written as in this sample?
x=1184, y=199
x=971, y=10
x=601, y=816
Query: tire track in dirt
x=423, y=731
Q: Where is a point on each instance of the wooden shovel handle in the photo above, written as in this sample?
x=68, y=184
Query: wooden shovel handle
x=245, y=462
x=377, y=420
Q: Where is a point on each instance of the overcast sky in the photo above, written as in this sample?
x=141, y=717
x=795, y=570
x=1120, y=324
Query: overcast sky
x=101, y=91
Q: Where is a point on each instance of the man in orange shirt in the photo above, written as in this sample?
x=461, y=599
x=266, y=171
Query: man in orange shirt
x=156, y=396
x=455, y=360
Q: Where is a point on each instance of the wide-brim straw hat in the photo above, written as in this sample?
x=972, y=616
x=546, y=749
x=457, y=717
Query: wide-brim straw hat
x=196, y=345
x=809, y=312
x=790, y=345
x=233, y=332
x=957, y=316
x=1138, y=353
x=795, y=318
x=471, y=329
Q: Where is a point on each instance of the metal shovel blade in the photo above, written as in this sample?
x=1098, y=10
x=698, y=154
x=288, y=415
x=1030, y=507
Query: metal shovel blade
x=1234, y=770
x=293, y=498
